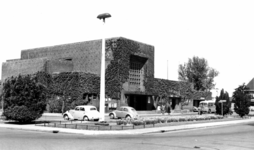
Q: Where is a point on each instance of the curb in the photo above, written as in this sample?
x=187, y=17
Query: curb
x=206, y=125
x=126, y=132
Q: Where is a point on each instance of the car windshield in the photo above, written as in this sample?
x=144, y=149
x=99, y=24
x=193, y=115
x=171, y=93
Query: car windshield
x=203, y=104
x=133, y=110
x=92, y=109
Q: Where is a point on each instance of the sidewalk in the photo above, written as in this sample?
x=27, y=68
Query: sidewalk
x=125, y=132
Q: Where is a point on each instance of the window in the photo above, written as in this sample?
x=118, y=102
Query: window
x=93, y=108
x=136, y=69
x=210, y=104
x=77, y=108
x=125, y=109
x=82, y=109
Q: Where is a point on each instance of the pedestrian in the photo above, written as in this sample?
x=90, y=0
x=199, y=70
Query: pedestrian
x=158, y=109
x=168, y=110
x=162, y=109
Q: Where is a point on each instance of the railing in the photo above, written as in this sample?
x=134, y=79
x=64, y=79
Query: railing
x=81, y=125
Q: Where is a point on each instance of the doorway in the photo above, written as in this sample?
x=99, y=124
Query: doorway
x=139, y=102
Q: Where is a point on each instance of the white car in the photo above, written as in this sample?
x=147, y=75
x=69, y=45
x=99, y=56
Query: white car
x=251, y=108
x=83, y=112
x=124, y=112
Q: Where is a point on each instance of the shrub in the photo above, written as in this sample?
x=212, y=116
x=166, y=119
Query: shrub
x=226, y=105
x=169, y=120
x=213, y=117
x=220, y=117
x=242, y=100
x=137, y=122
x=164, y=120
x=24, y=98
x=55, y=105
x=175, y=120
x=121, y=122
x=159, y=120
x=191, y=119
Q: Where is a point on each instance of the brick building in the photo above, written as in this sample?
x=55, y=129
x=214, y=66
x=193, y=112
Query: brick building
x=85, y=57
x=250, y=91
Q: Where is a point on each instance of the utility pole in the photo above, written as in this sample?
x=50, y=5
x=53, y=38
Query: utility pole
x=102, y=84
x=167, y=69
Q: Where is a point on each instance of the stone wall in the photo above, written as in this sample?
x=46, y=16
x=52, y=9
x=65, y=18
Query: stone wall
x=73, y=57
x=59, y=65
x=29, y=66
x=147, y=51
x=85, y=56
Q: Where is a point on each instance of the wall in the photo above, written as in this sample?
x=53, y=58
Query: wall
x=85, y=55
x=30, y=66
x=59, y=65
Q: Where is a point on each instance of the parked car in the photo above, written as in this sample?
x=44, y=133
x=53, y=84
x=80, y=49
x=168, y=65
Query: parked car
x=207, y=106
x=251, y=108
x=124, y=112
x=83, y=112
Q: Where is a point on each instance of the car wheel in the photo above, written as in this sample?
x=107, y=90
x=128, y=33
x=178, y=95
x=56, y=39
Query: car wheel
x=111, y=116
x=128, y=117
x=66, y=117
x=96, y=119
x=86, y=118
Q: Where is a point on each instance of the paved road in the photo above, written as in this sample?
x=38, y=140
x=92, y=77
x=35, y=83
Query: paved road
x=236, y=137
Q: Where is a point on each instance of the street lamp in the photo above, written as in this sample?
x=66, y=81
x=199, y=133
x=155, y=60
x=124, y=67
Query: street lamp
x=102, y=84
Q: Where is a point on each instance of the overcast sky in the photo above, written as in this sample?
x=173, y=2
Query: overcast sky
x=221, y=31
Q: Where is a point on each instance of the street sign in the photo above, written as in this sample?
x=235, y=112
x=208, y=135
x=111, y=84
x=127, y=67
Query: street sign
x=222, y=101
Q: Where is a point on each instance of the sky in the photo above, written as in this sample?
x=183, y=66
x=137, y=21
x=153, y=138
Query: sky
x=221, y=31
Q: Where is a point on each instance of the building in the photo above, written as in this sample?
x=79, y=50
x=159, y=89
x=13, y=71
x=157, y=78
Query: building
x=250, y=91
x=128, y=61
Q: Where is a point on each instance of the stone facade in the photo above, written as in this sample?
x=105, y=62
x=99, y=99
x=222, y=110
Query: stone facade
x=86, y=57
x=75, y=57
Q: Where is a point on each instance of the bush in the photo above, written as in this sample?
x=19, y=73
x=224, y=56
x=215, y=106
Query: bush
x=242, y=100
x=226, y=105
x=24, y=98
x=121, y=122
x=150, y=121
x=137, y=122
x=169, y=120
x=213, y=117
x=182, y=119
x=191, y=119
x=175, y=120
x=164, y=120
x=55, y=105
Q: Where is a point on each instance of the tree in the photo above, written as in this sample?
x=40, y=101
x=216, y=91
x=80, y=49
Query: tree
x=226, y=105
x=1, y=101
x=242, y=100
x=197, y=72
x=24, y=98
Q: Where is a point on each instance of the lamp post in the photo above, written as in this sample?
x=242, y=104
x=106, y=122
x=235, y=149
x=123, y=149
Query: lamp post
x=102, y=83
x=167, y=69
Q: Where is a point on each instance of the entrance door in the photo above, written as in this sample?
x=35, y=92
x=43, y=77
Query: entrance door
x=139, y=102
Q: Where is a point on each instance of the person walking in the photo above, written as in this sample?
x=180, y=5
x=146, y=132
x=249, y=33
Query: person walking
x=162, y=109
x=158, y=109
x=168, y=109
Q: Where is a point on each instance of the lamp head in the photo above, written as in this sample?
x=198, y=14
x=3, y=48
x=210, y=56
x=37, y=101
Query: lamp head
x=103, y=16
